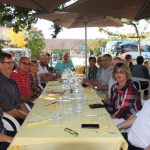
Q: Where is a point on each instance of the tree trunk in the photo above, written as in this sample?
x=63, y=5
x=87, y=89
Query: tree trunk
x=138, y=38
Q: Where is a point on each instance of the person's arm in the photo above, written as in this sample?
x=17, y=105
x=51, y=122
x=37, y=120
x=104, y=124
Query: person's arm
x=147, y=148
x=16, y=114
x=127, y=123
x=24, y=108
x=102, y=87
x=106, y=99
x=5, y=138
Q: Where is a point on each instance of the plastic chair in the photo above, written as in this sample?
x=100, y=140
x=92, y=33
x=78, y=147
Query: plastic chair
x=10, y=123
x=28, y=107
x=141, y=89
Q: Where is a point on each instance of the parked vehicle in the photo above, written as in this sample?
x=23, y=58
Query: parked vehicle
x=111, y=47
x=19, y=52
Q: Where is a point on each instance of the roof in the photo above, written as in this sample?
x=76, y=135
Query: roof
x=51, y=44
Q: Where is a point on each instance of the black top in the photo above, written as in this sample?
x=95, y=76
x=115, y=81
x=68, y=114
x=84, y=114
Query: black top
x=140, y=71
x=2, y=129
x=9, y=94
x=92, y=72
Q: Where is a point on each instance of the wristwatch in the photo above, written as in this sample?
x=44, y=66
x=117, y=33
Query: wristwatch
x=95, y=87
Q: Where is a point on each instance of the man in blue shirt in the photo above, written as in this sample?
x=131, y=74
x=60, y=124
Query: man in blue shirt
x=65, y=63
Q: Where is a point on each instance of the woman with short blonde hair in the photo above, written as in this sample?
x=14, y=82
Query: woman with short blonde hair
x=124, y=98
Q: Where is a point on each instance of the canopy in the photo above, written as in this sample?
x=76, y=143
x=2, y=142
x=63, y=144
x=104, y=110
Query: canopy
x=40, y=5
x=131, y=9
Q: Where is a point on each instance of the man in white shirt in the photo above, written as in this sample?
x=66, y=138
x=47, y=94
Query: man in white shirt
x=105, y=74
x=139, y=133
x=43, y=73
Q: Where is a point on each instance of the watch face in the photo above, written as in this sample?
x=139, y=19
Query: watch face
x=95, y=87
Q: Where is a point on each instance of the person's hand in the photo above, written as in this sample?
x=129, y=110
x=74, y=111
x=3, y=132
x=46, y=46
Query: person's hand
x=22, y=112
x=113, y=117
x=5, y=138
x=9, y=139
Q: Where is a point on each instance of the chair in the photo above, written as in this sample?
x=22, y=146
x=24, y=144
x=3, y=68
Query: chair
x=10, y=123
x=140, y=88
x=28, y=107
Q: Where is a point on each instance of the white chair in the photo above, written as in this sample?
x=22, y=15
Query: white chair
x=28, y=107
x=10, y=123
x=140, y=89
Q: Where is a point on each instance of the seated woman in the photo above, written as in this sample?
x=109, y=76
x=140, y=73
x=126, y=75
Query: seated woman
x=124, y=98
x=5, y=136
x=35, y=89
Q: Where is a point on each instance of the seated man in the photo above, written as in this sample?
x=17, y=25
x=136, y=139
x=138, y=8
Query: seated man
x=22, y=78
x=103, y=79
x=139, y=134
x=10, y=100
x=128, y=59
x=43, y=73
x=92, y=70
x=100, y=66
x=65, y=63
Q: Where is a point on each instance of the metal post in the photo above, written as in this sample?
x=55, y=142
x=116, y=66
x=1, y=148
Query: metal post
x=86, y=69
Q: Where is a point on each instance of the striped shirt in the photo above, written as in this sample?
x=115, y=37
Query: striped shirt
x=23, y=82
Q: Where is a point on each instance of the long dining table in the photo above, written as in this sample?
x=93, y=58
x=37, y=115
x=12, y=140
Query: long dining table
x=54, y=126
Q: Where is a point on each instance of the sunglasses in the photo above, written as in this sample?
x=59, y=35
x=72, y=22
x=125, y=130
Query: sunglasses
x=25, y=63
x=72, y=132
x=9, y=63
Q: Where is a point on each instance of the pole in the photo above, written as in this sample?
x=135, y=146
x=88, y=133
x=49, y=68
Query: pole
x=139, y=46
x=86, y=51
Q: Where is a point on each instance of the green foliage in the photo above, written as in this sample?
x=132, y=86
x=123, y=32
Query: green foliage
x=137, y=31
x=16, y=17
x=60, y=52
x=56, y=29
x=35, y=42
x=96, y=45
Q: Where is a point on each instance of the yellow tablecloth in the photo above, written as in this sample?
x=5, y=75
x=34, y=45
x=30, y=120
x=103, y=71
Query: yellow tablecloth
x=39, y=132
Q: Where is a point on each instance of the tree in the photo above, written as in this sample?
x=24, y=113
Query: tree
x=16, y=17
x=60, y=52
x=97, y=45
x=136, y=30
x=35, y=42
x=16, y=39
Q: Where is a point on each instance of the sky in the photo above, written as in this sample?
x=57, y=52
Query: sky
x=92, y=33
x=79, y=33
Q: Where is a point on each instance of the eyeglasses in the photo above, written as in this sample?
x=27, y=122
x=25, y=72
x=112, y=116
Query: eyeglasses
x=120, y=72
x=72, y=132
x=9, y=63
x=25, y=63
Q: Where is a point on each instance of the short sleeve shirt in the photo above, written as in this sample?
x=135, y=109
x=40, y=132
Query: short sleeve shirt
x=23, y=82
x=9, y=94
x=60, y=66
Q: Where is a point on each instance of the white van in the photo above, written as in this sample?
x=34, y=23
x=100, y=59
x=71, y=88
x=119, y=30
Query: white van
x=19, y=52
